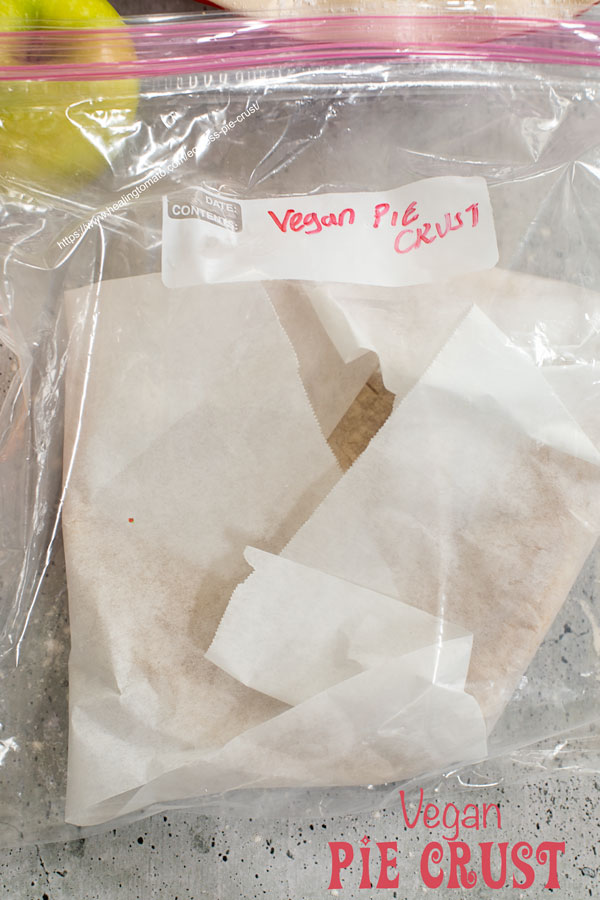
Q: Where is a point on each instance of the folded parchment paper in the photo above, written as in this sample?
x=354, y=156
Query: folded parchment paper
x=476, y=502
x=189, y=436
x=326, y=630
x=194, y=437
x=556, y=323
x=331, y=383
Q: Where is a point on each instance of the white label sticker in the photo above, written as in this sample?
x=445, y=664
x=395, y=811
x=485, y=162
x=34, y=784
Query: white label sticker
x=423, y=232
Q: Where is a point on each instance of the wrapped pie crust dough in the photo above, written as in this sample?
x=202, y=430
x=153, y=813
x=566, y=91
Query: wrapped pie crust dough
x=391, y=610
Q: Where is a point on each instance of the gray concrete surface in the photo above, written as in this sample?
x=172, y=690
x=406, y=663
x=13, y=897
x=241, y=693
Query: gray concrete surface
x=188, y=857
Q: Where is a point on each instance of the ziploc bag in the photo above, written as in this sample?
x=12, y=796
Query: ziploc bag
x=291, y=263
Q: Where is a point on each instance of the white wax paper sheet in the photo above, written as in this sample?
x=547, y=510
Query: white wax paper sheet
x=556, y=323
x=327, y=630
x=476, y=501
x=195, y=437
x=367, y=725
x=331, y=384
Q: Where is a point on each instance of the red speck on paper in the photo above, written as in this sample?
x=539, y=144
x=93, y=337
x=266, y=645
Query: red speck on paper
x=130, y=520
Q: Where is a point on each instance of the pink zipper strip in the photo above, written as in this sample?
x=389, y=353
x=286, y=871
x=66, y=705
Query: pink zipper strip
x=226, y=42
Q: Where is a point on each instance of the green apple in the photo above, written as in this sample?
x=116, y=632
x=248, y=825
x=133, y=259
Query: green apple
x=62, y=130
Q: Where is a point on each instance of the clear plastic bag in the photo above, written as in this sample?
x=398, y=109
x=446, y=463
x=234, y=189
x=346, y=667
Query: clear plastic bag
x=319, y=531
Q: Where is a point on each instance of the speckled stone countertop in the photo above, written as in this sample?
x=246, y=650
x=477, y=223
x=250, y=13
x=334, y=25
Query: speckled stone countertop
x=187, y=857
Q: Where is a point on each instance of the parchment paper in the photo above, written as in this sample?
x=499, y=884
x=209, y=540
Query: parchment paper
x=476, y=502
x=330, y=382
x=326, y=630
x=556, y=323
x=195, y=438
